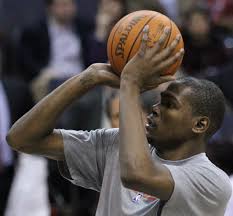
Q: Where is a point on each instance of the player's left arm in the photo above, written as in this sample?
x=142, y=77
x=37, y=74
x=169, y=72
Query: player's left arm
x=138, y=171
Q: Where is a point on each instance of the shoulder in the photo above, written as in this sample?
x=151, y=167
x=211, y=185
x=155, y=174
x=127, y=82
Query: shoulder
x=101, y=132
x=98, y=135
x=209, y=180
x=217, y=179
x=200, y=185
x=202, y=178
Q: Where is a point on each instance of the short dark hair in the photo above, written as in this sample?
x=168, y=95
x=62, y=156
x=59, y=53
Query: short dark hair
x=206, y=99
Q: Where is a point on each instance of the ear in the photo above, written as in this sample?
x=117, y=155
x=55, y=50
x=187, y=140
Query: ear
x=201, y=124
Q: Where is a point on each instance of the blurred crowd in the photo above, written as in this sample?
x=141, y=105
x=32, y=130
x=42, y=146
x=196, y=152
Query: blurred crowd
x=43, y=43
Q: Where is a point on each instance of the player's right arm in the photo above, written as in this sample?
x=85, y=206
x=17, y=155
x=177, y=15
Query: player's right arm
x=34, y=132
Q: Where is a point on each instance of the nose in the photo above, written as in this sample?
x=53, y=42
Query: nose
x=155, y=113
x=149, y=119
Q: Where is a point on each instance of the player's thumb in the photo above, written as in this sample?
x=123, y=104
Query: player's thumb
x=164, y=79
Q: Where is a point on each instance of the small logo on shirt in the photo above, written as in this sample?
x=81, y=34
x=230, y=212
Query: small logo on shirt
x=139, y=196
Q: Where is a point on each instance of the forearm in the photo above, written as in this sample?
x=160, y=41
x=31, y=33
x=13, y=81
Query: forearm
x=41, y=120
x=134, y=149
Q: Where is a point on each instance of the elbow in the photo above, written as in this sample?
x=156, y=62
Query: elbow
x=14, y=141
x=130, y=180
x=129, y=174
x=127, y=181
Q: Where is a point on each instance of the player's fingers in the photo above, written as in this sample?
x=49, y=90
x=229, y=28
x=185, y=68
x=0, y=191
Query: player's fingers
x=114, y=82
x=143, y=46
x=106, y=66
x=170, y=61
x=161, y=41
x=167, y=51
x=167, y=78
x=155, y=81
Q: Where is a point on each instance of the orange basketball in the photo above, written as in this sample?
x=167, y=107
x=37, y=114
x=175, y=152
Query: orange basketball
x=125, y=37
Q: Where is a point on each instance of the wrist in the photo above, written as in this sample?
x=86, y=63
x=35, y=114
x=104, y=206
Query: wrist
x=130, y=79
x=93, y=76
x=128, y=83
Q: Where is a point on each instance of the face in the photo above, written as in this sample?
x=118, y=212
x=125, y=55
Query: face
x=63, y=10
x=170, y=122
x=114, y=112
x=198, y=25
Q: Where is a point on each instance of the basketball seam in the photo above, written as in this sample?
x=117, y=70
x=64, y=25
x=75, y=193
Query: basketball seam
x=169, y=35
x=171, y=25
x=114, y=66
x=138, y=36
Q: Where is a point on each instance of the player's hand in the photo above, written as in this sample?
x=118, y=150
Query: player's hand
x=105, y=75
x=146, y=68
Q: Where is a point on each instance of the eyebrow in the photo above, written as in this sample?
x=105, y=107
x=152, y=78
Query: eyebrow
x=170, y=95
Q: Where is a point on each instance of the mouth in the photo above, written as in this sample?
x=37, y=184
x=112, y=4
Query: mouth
x=151, y=123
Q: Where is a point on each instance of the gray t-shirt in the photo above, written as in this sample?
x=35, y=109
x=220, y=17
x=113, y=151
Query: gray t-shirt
x=92, y=159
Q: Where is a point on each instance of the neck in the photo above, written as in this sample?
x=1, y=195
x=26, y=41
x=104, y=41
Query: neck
x=186, y=150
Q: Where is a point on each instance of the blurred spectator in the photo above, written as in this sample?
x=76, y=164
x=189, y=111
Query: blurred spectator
x=222, y=12
x=109, y=13
x=220, y=150
x=204, y=49
x=15, y=100
x=56, y=45
x=185, y=6
x=29, y=191
x=134, y=5
x=112, y=108
x=171, y=7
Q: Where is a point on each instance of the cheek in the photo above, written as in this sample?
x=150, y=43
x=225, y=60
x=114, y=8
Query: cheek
x=174, y=122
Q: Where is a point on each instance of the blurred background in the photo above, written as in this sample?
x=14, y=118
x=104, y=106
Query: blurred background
x=44, y=42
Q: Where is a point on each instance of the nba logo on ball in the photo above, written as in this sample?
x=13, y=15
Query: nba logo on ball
x=125, y=37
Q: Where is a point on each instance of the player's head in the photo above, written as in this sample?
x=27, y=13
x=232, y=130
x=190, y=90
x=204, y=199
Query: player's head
x=63, y=11
x=190, y=109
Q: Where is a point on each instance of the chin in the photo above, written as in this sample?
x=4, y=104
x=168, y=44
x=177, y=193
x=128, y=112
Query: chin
x=150, y=140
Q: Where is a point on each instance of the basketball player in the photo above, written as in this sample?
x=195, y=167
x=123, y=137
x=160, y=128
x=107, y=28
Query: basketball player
x=172, y=175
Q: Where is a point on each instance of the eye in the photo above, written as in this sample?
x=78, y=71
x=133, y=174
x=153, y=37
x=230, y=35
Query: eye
x=167, y=103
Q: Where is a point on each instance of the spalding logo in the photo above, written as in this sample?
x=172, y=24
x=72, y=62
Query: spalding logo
x=124, y=35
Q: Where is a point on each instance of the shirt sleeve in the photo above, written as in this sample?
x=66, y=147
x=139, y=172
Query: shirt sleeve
x=85, y=156
x=229, y=210
x=199, y=190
